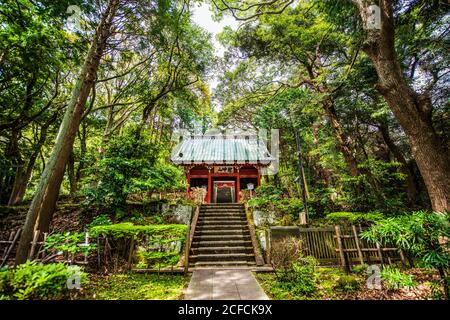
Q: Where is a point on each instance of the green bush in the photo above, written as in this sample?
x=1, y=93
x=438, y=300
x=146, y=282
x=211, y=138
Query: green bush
x=101, y=220
x=38, y=281
x=158, y=259
x=347, y=283
x=130, y=165
x=164, y=232
x=422, y=235
x=167, y=239
x=360, y=269
x=293, y=270
x=395, y=279
x=68, y=242
x=354, y=217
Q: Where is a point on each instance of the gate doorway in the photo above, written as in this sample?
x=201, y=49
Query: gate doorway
x=224, y=192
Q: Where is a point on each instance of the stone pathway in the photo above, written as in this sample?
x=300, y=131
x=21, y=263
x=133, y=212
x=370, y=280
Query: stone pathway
x=224, y=285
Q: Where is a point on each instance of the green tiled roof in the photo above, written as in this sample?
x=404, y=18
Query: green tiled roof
x=219, y=149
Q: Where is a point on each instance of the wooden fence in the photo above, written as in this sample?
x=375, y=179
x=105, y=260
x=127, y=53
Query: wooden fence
x=344, y=246
x=352, y=249
x=37, y=251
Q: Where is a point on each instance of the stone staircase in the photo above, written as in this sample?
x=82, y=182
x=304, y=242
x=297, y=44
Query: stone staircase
x=222, y=238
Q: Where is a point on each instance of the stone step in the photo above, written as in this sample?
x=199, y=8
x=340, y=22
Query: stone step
x=222, y=210
x=222, y=250
x=207, y=232
x=221, y=243
x=220, y=205
x=222, y=216
x=221, y=237
x=222, y=257
x=202, y=227
x=222, y=213
x=207, y=222
x=219, y=264
x=222, y=220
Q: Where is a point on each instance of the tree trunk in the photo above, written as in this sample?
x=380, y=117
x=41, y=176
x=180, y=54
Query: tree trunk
x=44, y=202
x=83, y=151
x=412, y=189
x=412, y=110
x=342, y=139
x=15, y=161
x=71, y=174
x=23, y=177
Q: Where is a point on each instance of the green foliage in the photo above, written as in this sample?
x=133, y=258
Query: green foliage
x=360, y=269
x=158, y=259
x=165, y=233
x=130, y=165
x=419, y=233
x=136, y=286
x=354, y=217
x=157, y=246
x=68, y=242
x=347, y=283
x=294, y=271
x=101, y=220
x=37, y=281
x=395, y=279
x=273, y=199
x=423, y=234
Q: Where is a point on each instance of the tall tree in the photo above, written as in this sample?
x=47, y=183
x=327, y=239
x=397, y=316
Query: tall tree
x=44, y=202
x=413, y=109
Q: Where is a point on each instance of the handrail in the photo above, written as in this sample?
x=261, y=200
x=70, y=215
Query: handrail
x=189, y=237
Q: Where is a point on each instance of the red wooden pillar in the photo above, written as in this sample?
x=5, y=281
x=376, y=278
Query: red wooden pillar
x=238, y=187
x=208, y=195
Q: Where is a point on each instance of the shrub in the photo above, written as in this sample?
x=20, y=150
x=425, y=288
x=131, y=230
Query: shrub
x=347, y=283
x=164, y=232
x=198, y=195
x=68, y=242
x=395, y=279
x=158, y=259
x=360, y=269
x=293, y=270
x=130, y=165
x=421, y=234
x=287, y=220
x=157, y=245
x=354, y=217
x=101, y=220
x=38, y=281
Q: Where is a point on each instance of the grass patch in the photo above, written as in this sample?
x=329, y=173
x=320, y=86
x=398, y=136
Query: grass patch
x=325, y=279
x=136, y=286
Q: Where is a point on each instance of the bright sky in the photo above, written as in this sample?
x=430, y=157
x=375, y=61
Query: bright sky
x=202, y=15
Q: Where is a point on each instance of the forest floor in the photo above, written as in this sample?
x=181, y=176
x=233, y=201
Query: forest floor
x=132, y=286
x=135, y=286
x=327, y=287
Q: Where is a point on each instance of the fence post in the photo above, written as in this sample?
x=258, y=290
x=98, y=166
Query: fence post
x=13, y=243
x=380, y=253
x=11, y=237
x=402, y=257
x=33, y=244
x=341, y=248
x=358, y=247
